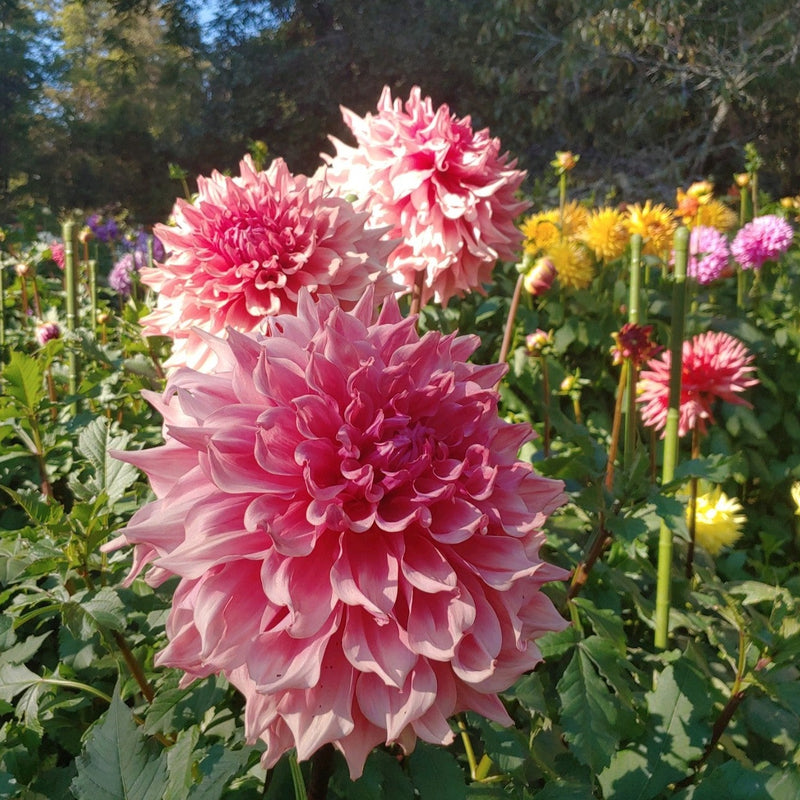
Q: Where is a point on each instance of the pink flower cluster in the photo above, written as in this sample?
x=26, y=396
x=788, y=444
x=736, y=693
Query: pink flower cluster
x=763, y=239
x=444, y=190
x=247, y=246
x=356, y=542
x=708, y=254
x=714, y=366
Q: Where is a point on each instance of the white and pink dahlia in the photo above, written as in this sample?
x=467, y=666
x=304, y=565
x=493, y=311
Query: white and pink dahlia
x=448, y=192
x=356, y=541
x=244, y=249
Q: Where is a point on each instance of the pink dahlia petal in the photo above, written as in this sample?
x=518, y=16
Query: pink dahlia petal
x=445, y=190
x=715, y=366
x=355, y=540
x=247, y=246
x=708, y=254
x=762, y=239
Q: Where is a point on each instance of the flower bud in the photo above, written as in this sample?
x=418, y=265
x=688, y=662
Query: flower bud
x=564, y=161
x=540, y=277
x=538, y=342
x=568, y=384
x=22, y=269
x=45, y=331
x=742, y=179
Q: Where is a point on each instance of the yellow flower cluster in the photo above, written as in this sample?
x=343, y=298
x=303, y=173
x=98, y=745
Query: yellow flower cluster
x=576, y=239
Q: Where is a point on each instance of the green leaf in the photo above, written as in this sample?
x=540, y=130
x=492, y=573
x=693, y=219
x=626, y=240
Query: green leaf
x=507, y=747
x=118, y=762
x=24, y=381
x=383, y=779
x=734, y=781
x=436, y=774
x=589, y=712
x=110, y=474
x=677, y=731
x=101, y=611
x=14, y=679
x=218, y=768
x=606, y=623
x=180, y=765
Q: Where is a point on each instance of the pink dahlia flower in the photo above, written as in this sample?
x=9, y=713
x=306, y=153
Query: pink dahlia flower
x=244, y=249
x=763, y=239
x=708, y=254
x=356, y=541
x=715, y=366
x=445, y=190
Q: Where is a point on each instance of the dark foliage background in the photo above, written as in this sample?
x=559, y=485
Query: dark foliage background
x=98, y=97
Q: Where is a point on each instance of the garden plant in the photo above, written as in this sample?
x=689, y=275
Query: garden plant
x=387, y=482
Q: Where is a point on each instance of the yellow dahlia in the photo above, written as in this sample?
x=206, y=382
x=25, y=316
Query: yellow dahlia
x=606, y=234
x=572, y=262
x=718, y=521
x=540, y=231
x=655, y=224
x=576, y=217
x=715, y=214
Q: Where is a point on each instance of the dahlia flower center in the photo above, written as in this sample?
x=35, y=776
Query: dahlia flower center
x=405, y=447
x=262, y=245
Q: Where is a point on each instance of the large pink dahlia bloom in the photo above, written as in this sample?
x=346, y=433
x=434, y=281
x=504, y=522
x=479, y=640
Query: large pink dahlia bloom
x=446, y=191
x=244, y=249
x=715, y=366
x=356, y=541
x=762, y=239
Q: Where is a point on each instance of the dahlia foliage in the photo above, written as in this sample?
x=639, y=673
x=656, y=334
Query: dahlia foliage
x=244, y=249
x=715, y=366
x=446, y=192
x=356, y=541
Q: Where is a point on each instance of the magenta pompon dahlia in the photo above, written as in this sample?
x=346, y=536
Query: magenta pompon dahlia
x=762, y=239
x=356, y=541
x=244, y=249
x=445, y=190
x=715, y=366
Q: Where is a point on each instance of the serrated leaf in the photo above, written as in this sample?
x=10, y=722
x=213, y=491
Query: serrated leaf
x=118, y=762
x=15, y=679
x=436, y=774
x=218, y=768
x=589, y=713
x=606, y=623
x=110, y=474
x=507, y=747
x=180, y=765
x=87, y=613
x=676, y=735
x=36, y=506
x=24, y=381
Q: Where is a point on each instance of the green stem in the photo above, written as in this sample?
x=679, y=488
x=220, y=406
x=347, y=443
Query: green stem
x=664, y=579
x=468, y=749
x=616, y=424
x=693, y=505
x=416, y=293
x=71, y=276
x=297, y=777
x=134, y=666
x=634, y=292
x=512, y=313
x=630, y=416
x=83, y=687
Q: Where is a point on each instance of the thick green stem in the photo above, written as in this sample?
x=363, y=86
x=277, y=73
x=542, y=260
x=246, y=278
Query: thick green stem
x=635, y=289
x=297, y=777
x=664, y=579
x=468, y=749
x=71, y=277
x=692, y=505
x=616, y=424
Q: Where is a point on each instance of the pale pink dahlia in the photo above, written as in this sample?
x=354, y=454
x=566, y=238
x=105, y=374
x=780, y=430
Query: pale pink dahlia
x=763, y=239
x=245, y=248
x=445, y=190
x=708, y=254
x=715, y=366
x=356, y=541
